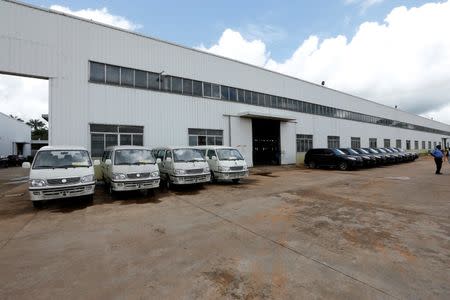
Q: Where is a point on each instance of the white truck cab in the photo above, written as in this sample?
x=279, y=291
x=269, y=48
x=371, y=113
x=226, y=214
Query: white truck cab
x=225, y=163
x=60, y=172
x=127, y=168
x=182, y=165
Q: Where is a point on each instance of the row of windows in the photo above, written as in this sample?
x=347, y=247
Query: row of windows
x=305, y=142
x=109, y=74
x=205, y=137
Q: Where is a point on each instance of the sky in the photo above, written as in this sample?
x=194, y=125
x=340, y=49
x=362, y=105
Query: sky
x=390, y=51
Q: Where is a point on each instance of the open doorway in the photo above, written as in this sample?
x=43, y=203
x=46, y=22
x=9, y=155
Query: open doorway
x=24, y=103
x=266, y=142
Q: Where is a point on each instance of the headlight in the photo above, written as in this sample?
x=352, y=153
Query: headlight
x=119, y=176
x=206, y=170
x=180, y=172
x=154, y=174
x=351, y=158
x=224, y=169
x=38, y=183
x=87, y=178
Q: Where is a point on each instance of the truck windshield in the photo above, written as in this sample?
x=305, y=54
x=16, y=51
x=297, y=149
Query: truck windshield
x=187, y=155
x=229, y=154
x=338, y=152
x=352, y=152
x=133, y=157
x=61, y=159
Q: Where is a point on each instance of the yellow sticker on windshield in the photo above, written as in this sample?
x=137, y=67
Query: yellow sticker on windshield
x=144, y=161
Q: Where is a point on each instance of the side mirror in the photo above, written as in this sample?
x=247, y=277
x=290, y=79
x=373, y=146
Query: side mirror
x=169, y=159
x=96, y=162
x=158, y=160
x=108, y=162
x=214, y=157
x=26, y=165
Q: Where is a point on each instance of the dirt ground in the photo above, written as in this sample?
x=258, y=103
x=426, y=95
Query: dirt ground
x=283, y=233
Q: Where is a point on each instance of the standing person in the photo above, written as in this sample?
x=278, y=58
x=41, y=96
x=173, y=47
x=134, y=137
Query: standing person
x=448, y=155
x=438, y=156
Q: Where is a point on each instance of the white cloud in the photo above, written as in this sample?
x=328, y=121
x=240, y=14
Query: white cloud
x=231, y=44
x=403, y=61
x=99, y=15
x=26, y=98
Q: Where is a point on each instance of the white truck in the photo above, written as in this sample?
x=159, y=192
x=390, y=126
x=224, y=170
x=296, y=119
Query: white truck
x=61, y=172
x=225, y=163
x=127, y=168
x=182, y=165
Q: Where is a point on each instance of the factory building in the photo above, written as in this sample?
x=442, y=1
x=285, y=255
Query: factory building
x=108, y=86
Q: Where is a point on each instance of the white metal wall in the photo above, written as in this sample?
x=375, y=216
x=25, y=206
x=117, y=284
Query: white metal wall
x=51, y=45
x=11, y=132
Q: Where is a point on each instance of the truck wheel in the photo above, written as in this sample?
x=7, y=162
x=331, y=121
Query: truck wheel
x=343, y=166
x=89, y=200
x=235, y=180
x=312, y=165
x=38, y=204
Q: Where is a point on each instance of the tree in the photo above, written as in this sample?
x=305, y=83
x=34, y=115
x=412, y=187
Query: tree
x=36, y=124
x=39, y=130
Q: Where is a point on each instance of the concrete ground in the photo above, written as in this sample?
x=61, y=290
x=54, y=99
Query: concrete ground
x=287, y=233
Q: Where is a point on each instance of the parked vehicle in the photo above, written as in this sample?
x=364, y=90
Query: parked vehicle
x=60, y=172
x=225, y=163
x=409, y=155
x=398, y=157
x=368, y=161
x=15, y=160
x=4, y=162
x=335, y=158
x=389, y=159
x=182, y=165
x=379, y=160
x=127, y=168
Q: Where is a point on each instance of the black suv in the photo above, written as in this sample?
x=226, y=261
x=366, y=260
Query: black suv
x=368, y=161
x=334, y=158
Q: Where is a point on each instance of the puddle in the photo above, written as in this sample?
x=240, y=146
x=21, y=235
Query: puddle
x=398, y=178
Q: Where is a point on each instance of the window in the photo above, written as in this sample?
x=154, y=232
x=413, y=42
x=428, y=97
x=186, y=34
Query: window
x=304, y=142
x=140, y=79
x=254, y=98
x=103, y=136
x=423, y=145
x=112, y=74
x=126, y=76
x=429, y=145
x=215, y=91
x=97, y=72
x=408, y=145
x=197, y=88
x=355, y=142
x=416, y=145
x=153, y=81
x=207, y=89
x=434, y=144
x=202, y=137
x=233, y=94
x=398, y=143
x=187, y=86
x=372, y=142
x=224, y=90
x=177, y=85
x=240, y=95
x=166, y=83
x=248, y=97
x=333, y=142
x=387, y=143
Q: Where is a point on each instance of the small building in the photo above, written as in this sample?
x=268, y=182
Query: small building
x=15, y=136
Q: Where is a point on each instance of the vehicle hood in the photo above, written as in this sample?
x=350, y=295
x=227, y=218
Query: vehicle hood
x=190, y=165
x=60, y=173
x=127, y=169
x=232, y=163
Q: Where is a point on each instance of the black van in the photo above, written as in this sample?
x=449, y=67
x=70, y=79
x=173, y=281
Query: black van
x=334, y=158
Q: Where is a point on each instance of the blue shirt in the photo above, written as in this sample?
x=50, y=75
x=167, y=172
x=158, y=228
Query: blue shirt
x=437, y=153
